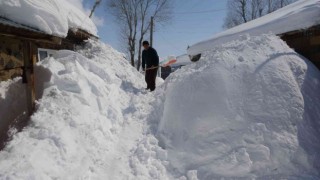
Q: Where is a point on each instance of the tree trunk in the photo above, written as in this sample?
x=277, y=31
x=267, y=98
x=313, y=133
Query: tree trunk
x=140, y=53
x=243, y=9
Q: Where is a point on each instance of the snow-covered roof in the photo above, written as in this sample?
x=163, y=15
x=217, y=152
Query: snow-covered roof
x=17, y=25
x=53, y=17
x=297, y=16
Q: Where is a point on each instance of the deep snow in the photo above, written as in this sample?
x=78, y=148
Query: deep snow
x=182, y=60
x=296, y=16
x=88, y=123
x=53, y=17
x=249, y=109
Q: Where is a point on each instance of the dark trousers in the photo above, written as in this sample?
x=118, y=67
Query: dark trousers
x=151, y=75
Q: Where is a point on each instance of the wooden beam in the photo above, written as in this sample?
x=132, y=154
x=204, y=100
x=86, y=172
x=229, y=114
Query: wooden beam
x=78, y=36
x=26, y=34
x=51, y=40
x=30, y=58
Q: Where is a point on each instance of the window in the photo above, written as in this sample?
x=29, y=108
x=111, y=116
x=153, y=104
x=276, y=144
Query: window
x=44, y=53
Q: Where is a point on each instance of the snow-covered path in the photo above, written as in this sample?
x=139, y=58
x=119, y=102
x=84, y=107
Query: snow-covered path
x=128, y=138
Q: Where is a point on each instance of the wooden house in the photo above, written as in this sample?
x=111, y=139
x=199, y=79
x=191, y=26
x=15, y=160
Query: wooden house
x=298, y=24
x=21, y=47
x=305, y=42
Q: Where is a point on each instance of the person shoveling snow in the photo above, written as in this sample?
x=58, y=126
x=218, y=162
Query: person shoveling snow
x=150, y=64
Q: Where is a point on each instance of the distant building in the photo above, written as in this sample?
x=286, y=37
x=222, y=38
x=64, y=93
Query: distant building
x=305, y=42
x=297, y=24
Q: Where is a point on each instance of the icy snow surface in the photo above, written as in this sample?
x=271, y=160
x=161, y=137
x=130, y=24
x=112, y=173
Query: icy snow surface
x=53, y=17
x=249, y=109
x=299, y=15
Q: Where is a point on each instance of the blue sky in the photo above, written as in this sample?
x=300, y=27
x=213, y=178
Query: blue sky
x=193, y=21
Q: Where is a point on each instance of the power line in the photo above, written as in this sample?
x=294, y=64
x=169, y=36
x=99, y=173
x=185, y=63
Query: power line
x=182, y=32
x=171, y=44
x=201, y=12
x=196, y=4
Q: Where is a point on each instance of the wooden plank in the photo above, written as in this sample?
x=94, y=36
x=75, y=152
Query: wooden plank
x=52, y=40
x=29, y=62
x=26, y=34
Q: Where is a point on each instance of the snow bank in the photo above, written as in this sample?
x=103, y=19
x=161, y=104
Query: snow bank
x=297, y=16
x=88, y=122
x=53, y=17
x=182, y=60
x=13, y=107
x=250, y=109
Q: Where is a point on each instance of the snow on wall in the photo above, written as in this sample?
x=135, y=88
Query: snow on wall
x=297, y=16
x=53, y=17
x=250, y=109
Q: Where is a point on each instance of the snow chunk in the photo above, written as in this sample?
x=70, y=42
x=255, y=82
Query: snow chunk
x=53, y=17
x=297, y=16
x=182, y=60
x=250, y=109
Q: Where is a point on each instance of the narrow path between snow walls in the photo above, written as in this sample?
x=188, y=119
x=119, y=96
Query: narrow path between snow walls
x=249, y=109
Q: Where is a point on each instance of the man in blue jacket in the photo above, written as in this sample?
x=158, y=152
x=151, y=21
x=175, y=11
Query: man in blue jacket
x=150, y=64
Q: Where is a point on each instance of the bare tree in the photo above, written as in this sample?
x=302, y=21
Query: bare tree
x=160, y=10
x=133, y=17
x=126, y=13
x=96, y=4
x=242, y=11
x=238, y=13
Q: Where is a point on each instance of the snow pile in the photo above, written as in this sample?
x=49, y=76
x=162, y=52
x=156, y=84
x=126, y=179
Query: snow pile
x=250, y=109
x=12, y=96
x=297, y=16
x=13, y=106
x=53, y=17
x=88, y=123
x=182, y=60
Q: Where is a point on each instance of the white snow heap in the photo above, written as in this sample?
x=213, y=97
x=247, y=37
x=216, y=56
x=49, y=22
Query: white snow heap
x=250, y=109
x=53, y=17
x=87, y=124
x=297, y=16
x=182, y=60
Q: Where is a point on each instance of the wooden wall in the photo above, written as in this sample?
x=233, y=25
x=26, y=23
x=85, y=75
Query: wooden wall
x=11, y=58
x=306, y=43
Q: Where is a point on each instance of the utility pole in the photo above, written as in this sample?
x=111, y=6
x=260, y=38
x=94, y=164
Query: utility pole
x=151, y=31
x=96, y=4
